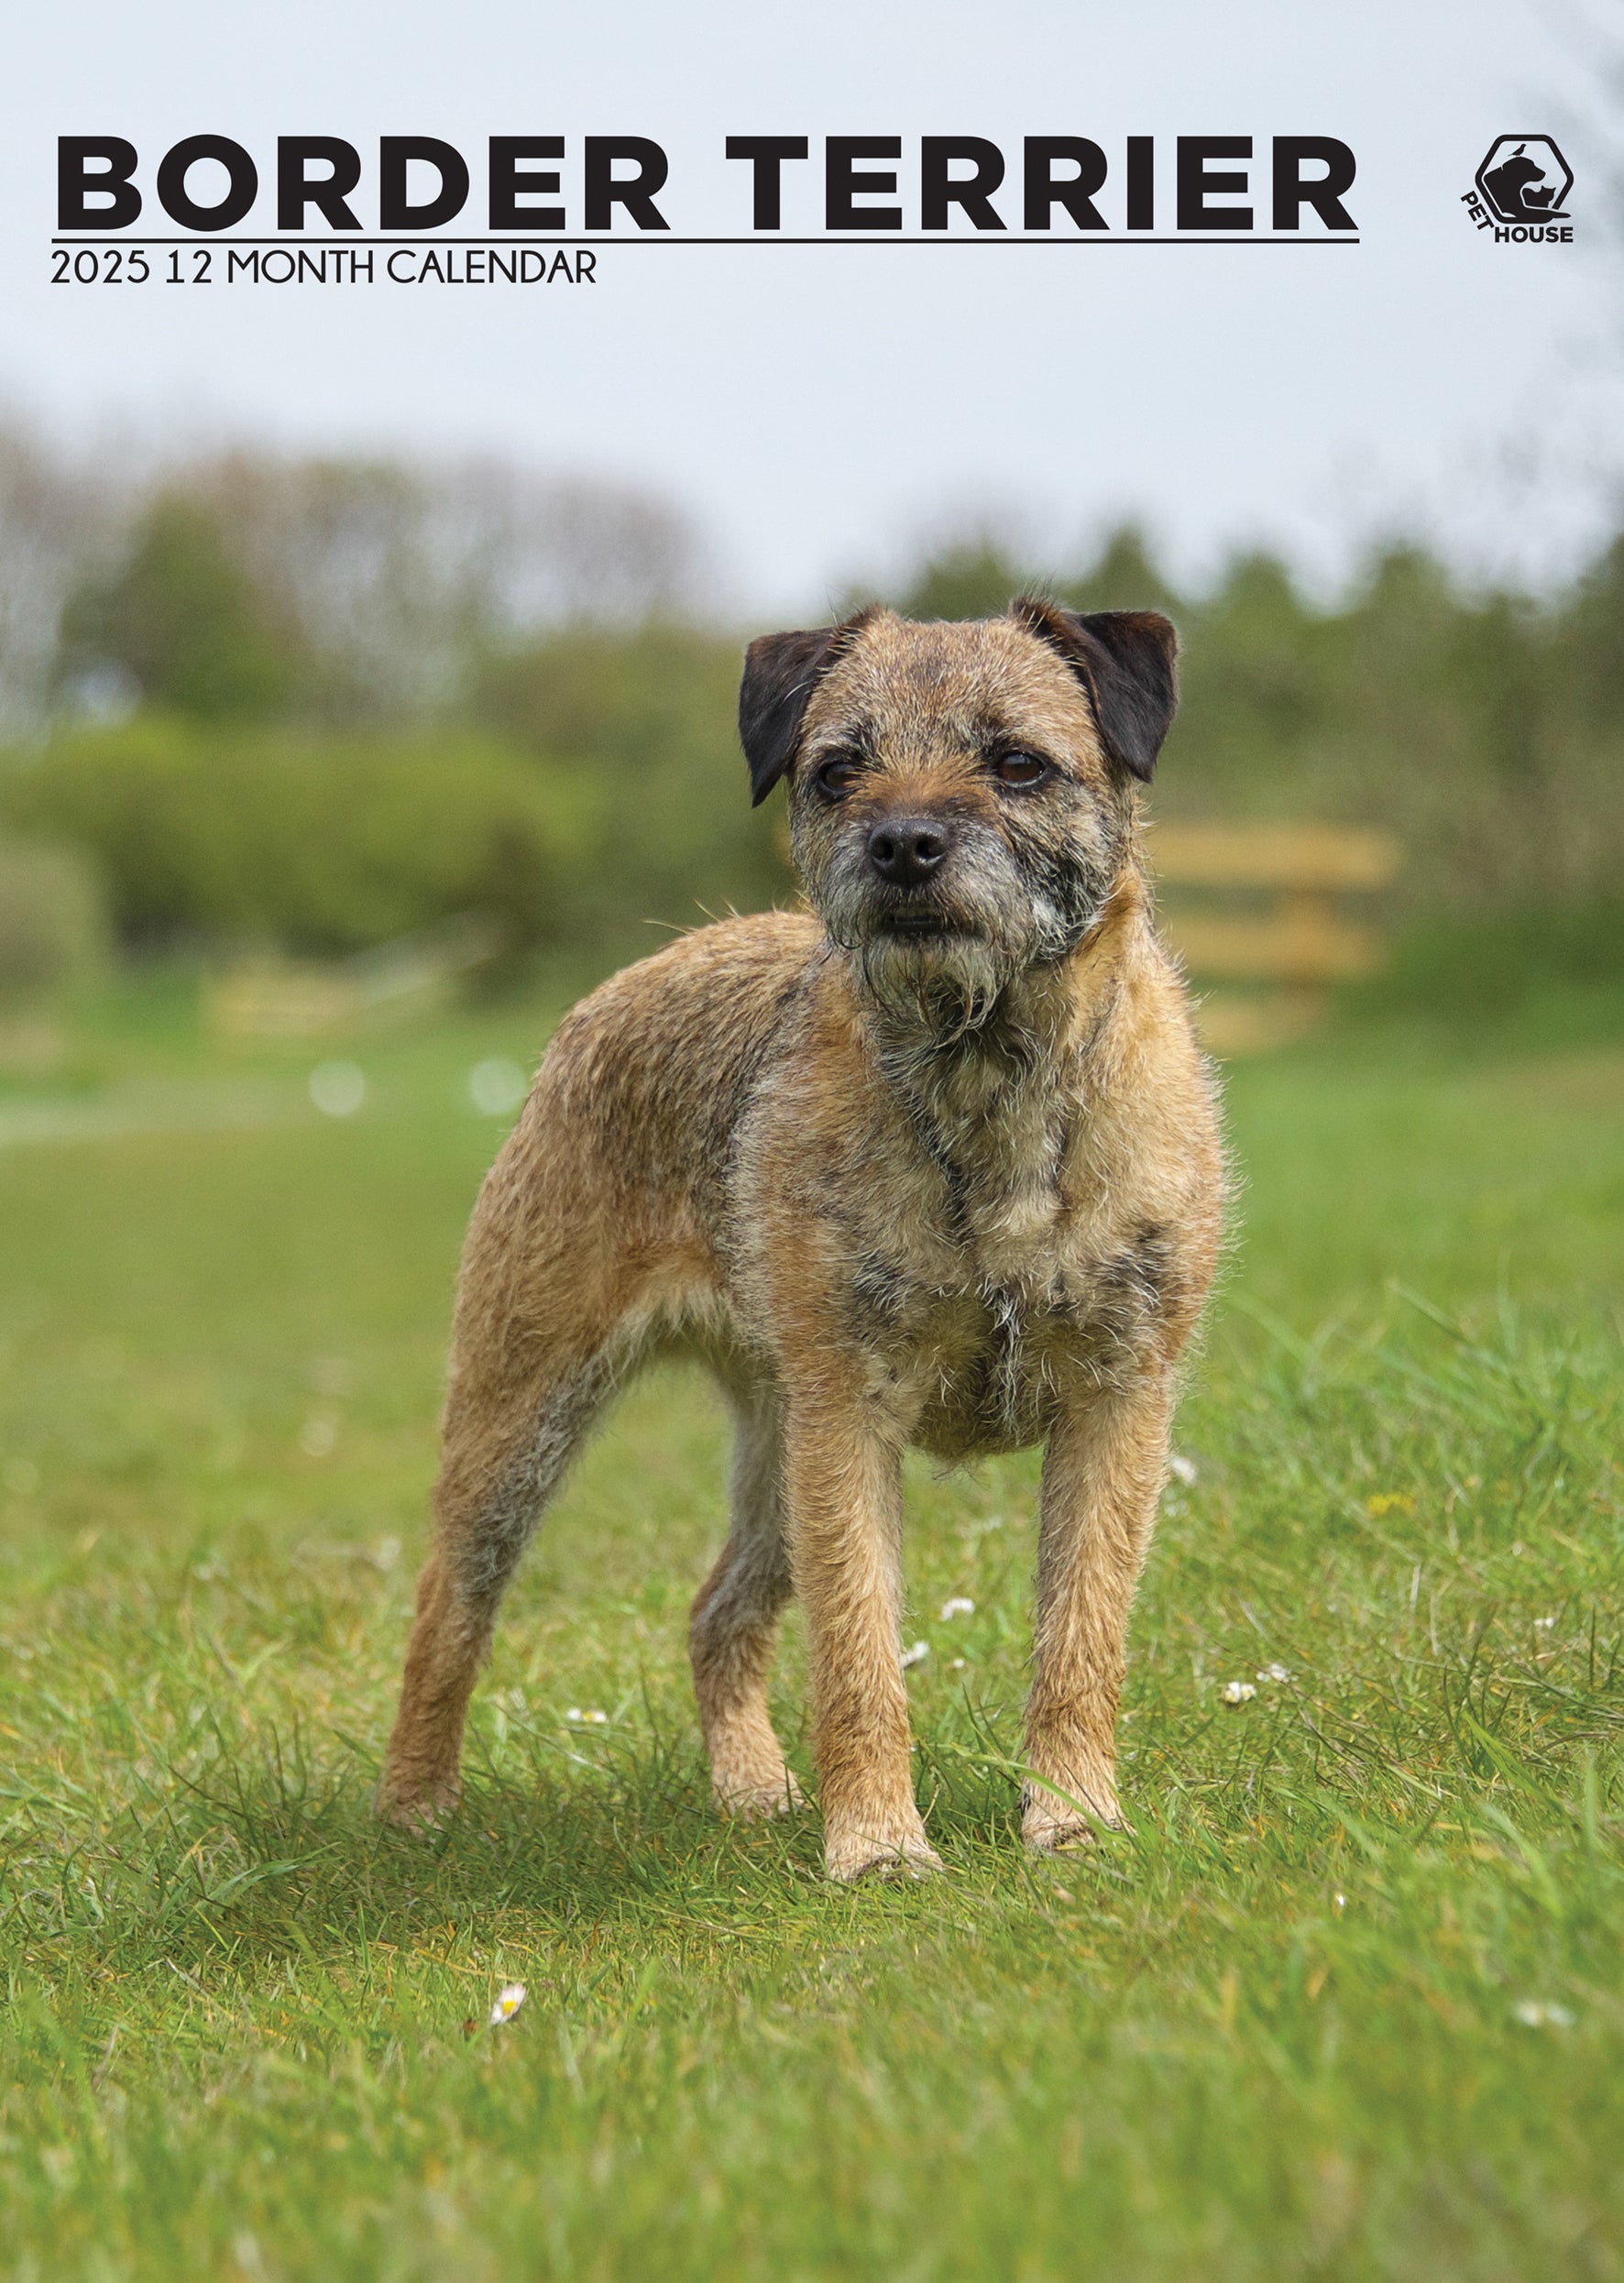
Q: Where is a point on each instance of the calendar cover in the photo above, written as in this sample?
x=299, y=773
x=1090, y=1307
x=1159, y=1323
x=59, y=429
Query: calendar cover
x=811, y=1141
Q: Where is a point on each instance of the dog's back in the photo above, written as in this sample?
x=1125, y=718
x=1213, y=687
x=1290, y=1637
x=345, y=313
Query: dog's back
x=650, y=1073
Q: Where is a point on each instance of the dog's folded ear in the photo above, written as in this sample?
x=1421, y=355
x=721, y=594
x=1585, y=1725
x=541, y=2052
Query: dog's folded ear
x=780, y=679
x=781, y=672
x=1125, y=661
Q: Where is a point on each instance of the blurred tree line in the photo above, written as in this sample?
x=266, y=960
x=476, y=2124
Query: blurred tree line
x=314, y=704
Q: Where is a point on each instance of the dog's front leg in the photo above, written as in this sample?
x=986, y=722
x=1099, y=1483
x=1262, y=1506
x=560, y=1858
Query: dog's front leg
x=1101, y=1476
x=843, y=1496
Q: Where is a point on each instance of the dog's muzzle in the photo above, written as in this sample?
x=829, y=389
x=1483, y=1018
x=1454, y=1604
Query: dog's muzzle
x=908, y=851
x=907, y=858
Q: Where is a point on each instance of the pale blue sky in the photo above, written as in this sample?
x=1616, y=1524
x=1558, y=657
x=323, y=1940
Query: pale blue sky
x=819, y=408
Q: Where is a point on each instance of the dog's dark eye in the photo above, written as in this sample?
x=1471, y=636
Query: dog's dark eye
x=839, y=774
x=1021, y=769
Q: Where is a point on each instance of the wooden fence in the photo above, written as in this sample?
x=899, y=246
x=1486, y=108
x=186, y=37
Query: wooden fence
x=1262, y=912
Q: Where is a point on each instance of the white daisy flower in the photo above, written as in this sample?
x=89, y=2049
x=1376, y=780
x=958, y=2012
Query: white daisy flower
x=916, y=1655
x=1534, y=2013
x=957, y=1605
x=508, y=2003
x=1237, y=1691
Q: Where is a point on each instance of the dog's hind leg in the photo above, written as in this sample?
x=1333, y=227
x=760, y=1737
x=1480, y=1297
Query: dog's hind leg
x=505, y=1452
x=735, y=1620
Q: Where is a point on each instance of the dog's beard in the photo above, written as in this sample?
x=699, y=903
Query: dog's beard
x=946, y=985
x=949, y=983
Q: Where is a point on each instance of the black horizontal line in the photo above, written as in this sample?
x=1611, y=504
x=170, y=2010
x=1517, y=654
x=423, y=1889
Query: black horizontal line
x=762, y=237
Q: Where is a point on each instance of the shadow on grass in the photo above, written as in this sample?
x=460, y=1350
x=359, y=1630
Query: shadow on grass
x=276, y=1851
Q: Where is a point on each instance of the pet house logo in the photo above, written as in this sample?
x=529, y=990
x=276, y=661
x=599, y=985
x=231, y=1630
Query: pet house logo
x=1522, y=192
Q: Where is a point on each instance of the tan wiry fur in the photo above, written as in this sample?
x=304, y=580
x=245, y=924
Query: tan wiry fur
x=957, y=1188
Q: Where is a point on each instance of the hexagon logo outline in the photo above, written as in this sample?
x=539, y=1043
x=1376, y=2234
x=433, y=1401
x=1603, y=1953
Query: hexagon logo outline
x=1529, y=184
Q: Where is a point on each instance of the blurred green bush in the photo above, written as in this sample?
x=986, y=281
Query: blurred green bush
x=319, y=844
x=651, y=711
x=53, y=930
x=1485, y=969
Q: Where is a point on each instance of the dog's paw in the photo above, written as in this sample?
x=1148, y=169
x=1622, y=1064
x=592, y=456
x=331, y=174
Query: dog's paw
x=758, y=1802
x=418, y=1811
x=856, y=1854
x=1050, y=1824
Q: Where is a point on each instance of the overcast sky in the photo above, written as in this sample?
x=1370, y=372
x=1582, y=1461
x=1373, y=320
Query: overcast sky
x=820, y=408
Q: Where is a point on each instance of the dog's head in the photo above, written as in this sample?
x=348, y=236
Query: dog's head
x=959, y=794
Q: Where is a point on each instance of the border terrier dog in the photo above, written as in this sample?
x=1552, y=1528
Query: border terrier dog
x=934, y=1163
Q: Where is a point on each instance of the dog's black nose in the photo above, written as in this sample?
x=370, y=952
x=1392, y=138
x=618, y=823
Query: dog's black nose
x=906, y=851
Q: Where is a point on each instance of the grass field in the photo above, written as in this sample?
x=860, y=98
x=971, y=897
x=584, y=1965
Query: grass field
x=1349, y=2001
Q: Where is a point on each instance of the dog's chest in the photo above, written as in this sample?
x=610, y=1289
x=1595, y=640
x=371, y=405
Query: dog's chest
x=998, y=1275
